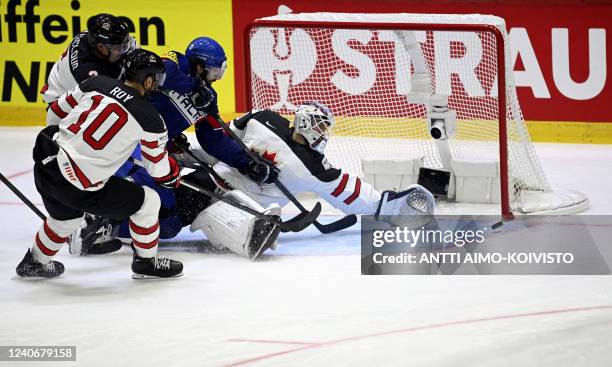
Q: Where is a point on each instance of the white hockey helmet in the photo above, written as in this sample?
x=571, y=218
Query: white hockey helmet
x=314, y=121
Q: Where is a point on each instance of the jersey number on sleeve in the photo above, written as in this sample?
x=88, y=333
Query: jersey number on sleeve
x=112, y=111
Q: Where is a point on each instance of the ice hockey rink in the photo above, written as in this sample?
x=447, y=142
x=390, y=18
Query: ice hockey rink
x=304, y=304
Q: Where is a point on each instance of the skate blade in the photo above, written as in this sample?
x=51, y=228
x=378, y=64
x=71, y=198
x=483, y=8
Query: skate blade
x=34, y=279
x=152, y=277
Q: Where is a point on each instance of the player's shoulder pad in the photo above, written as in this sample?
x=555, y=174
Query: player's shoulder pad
x=143, y=111
x=146, y=115
x=81, y=62
x=271, y=116
x=273, y=121
x=171, y=56
x=241, y=122
x=99, y=83
x=78, y=49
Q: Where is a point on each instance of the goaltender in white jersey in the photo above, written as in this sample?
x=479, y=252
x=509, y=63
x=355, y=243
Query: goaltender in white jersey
x=297, y=152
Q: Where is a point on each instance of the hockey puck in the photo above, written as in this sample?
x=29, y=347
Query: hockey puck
x=497, y=225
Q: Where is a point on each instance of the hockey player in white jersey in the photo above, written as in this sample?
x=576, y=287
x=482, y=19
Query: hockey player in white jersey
x=298, y=153
x=97, y=126
x=226, y=226
x=96, y=51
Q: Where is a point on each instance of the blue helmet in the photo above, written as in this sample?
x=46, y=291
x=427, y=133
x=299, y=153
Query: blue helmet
x=209, y=54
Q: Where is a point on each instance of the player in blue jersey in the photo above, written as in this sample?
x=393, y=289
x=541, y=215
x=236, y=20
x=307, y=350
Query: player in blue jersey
x=187, y=98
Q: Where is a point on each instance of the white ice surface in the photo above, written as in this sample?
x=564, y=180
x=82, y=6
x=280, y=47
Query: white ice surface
x=305, y=304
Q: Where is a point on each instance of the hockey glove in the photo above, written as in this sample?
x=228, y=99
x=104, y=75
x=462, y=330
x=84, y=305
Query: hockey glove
x=179, y=145
x=202, y=97
x=260, y=172
x=173, y=178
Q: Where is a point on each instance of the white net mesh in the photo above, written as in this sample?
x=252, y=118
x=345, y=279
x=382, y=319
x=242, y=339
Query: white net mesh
x=365, y=77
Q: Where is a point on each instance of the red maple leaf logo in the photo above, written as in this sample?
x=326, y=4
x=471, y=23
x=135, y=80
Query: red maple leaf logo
x=270, y=156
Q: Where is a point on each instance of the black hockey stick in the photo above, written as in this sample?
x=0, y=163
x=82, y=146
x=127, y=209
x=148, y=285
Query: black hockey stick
x=342, y=223
x=221, y=182
x=346, y=221
x=88, y=238
x=338, y=225
x=295, y=224
x=23, y=198
x=40, y=214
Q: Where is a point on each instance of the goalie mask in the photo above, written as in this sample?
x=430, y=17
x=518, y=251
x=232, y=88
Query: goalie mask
x=314, y=121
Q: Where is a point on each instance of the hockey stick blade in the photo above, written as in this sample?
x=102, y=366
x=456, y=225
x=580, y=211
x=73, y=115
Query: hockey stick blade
x=323, y=228
x=304, y=219
x=296, y=224
x=338, y=225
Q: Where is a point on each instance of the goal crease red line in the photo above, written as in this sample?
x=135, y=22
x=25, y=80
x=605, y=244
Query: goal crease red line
x=271, y=341
x=411, y=329
x=17, y=174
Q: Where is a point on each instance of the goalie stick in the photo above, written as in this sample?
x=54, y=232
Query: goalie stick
x=296, y=224
x=223, y=184
x=338, y=225
x=220, y=181
x=323, y=228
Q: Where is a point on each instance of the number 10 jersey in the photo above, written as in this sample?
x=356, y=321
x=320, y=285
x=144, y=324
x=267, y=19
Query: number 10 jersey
x=101, y=122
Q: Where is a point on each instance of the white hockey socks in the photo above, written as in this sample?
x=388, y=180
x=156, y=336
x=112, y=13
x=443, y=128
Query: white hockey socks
x=144, y=225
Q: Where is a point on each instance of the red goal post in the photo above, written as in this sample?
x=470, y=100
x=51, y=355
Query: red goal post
x=510, y=189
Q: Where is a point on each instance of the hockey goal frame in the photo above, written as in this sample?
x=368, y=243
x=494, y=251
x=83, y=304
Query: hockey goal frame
x=506, y=211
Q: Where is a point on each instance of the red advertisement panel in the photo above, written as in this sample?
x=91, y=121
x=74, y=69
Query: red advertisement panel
x=561, y=49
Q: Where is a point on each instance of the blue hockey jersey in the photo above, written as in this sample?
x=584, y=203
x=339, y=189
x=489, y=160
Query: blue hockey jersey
x=174, y=104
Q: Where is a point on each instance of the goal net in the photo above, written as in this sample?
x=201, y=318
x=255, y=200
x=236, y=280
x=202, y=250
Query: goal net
x=379, y=73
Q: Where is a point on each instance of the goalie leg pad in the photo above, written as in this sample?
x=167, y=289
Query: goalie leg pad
x=226, y=226
x=413, y=207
